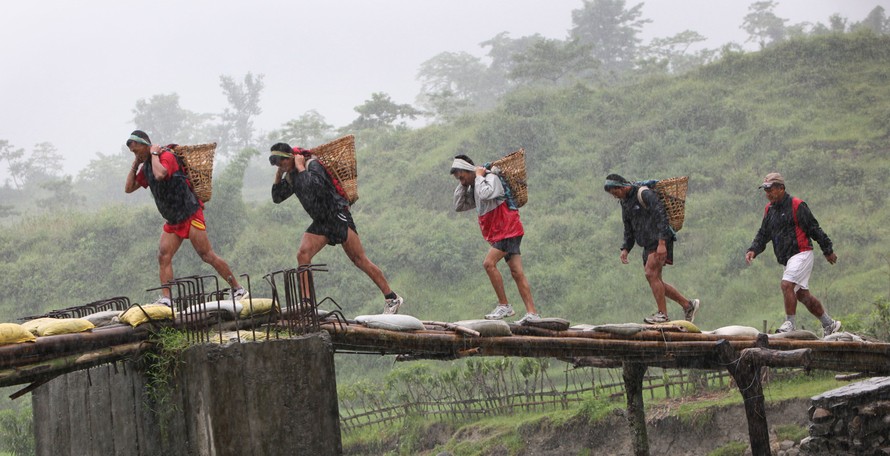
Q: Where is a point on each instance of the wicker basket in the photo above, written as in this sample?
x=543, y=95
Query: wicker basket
x=513, y=170
x=198, y=161
x=672, y=192
x=338, y=156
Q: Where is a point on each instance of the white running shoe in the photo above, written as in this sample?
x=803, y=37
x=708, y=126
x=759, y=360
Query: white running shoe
x=831, y=329
x=689, y=312
x=657, y=318
x=500, y=312
x=786, y=327
x=529, y=318
x=392, y=305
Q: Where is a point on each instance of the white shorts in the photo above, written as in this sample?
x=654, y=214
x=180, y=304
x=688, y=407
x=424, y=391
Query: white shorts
x=798, y=270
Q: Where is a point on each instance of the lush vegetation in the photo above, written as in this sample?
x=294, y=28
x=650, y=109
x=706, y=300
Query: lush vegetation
x=813, y=106
x=814, y=109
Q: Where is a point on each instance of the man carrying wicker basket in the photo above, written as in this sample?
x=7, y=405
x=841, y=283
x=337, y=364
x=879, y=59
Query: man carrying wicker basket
x=162, y=172
x=302, y=175
x=646, y=224
x=501, y=227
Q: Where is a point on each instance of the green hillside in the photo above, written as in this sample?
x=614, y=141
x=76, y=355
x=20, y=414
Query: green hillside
x=816, y=110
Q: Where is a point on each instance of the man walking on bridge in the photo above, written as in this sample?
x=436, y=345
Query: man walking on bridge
x=331, y=221
x=162, y=173
x=501, y=227
x=788, y=222
x=646, y=224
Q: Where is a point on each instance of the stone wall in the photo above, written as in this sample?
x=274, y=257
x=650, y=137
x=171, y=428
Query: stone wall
x=854, y=419
x=271, y=398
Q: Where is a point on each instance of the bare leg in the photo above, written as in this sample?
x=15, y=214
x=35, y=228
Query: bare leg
x=790, y=297
x=525, y=291
x=653, y=276
x=491, y=268
x=356, y=252
x=201, y=244
x=310, y=244
x=167, y=247
x=811, y=302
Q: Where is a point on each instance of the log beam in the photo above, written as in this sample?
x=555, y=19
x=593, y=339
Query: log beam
x=633, y=374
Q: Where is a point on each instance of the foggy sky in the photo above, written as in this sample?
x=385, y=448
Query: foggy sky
x=72, y=71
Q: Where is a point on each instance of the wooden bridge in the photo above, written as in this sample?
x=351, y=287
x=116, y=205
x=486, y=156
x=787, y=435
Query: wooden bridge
x=36, y=363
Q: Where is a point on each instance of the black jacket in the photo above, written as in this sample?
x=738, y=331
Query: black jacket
x=174, y=196
x=314, y=189
x=644, y=225
x=789, y=238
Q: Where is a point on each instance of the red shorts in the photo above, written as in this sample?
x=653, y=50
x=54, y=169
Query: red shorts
x=182, y=229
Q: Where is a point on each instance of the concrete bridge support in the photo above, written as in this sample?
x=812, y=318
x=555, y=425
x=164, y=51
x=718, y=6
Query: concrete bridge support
x=271, y=398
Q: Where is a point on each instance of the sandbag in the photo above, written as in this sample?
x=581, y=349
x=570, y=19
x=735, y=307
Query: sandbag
x=260, y=306
x=226, y=307
x=487, y=328
x=620, y=329
x=551, y=323
x=583, y=327
x=686, y=325
x=64, y=326
x=12, y=333
x=32, y=325
x=844, y=337
x=797, y=334
x=391, y=322
x=104, y=318
x=135, y=315
x=734, y=330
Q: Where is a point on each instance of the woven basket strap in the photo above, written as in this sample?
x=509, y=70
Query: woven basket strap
x=640, y=196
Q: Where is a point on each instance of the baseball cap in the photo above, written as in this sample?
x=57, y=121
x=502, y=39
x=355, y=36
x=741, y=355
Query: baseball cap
x=772, y=178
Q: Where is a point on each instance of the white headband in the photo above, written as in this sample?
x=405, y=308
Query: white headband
x=463, y=165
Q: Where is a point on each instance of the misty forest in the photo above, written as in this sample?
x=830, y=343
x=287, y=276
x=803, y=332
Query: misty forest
x=812, y=102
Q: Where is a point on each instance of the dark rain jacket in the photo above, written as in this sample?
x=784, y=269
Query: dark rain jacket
x=174, y=196
x=790, y=225
x=314, y=189
x=647, y=225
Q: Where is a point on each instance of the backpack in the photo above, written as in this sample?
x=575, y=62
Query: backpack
x=672, y=193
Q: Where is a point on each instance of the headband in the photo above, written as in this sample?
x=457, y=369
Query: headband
x=613, y=183
x=462, y=165
x=278, y=153
x=139, y=140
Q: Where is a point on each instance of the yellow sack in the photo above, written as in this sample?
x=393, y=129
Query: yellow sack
x=135, y=316
x=687, y=325
x=11, y=333
x=64, y=326
x=32, y=325
x=260, y=306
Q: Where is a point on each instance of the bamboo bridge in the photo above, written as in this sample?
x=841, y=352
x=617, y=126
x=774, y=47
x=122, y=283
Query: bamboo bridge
x=36, y=363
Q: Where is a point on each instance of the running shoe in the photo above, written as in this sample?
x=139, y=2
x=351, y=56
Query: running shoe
x=787, y=326
x=500, y=312
x=656, y=318
x=392, y=305
x=689, y=312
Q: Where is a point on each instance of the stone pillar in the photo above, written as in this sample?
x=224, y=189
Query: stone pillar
x=853, y=419
x=276, y=397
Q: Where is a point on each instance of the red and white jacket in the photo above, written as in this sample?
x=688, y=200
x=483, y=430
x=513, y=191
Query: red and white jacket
x=496, y=220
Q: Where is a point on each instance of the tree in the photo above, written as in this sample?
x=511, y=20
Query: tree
x=61, y=194
x=102, y=180
x=551, y=61
x=16, y=165
x=380, y=112
x=166, y=122
x=876, y=21
x=310, y=128
x=762, y=25
x=235, y=131
x=672, y=53
x=452, y=83
x=610, y=31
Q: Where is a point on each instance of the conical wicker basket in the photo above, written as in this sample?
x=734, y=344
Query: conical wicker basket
x=513, y=170
x=672, y=192
x=338, y=156
x=198, y=161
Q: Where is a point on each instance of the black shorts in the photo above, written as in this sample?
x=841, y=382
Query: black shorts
x=335, y=229
x=670, y=254
x=509, y=245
